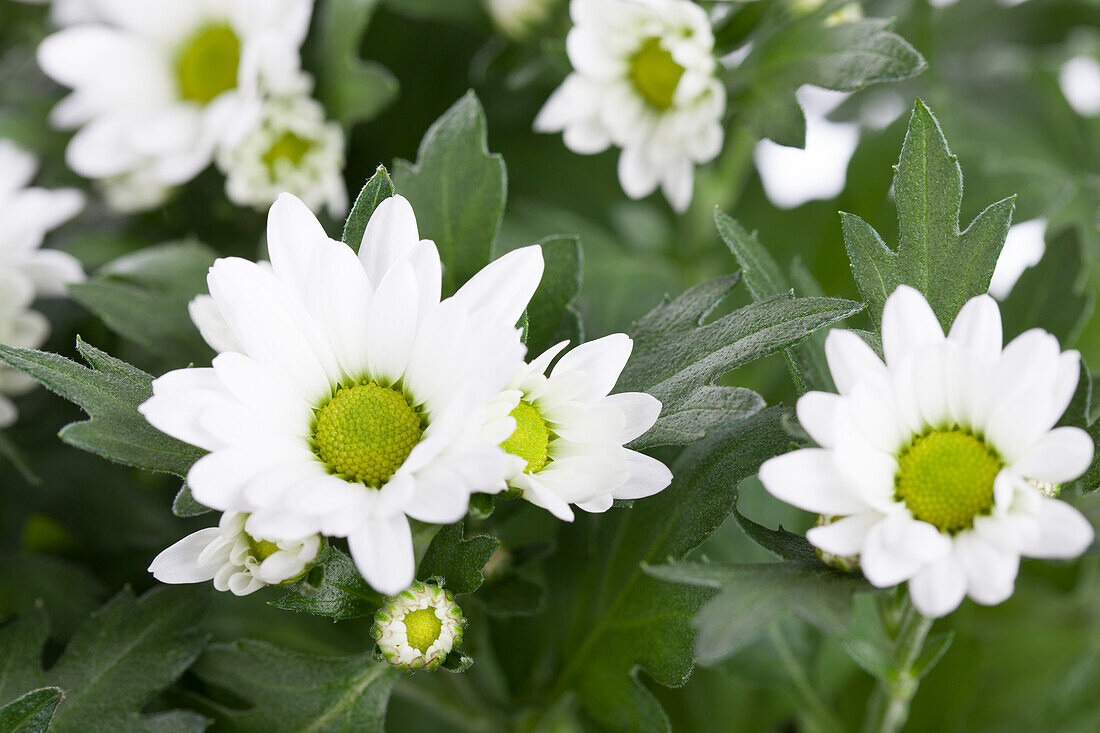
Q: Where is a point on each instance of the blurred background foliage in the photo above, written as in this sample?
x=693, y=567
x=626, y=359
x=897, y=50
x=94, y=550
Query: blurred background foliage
x=1032, y=664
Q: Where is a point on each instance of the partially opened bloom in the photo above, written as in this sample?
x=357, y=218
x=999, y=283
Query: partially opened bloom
x=291, y=148
x=158, y=86
x=643, y=80
x=419, y=627
x=937, y=467
x=235, y=560
x=568, y=446
x=356, y=397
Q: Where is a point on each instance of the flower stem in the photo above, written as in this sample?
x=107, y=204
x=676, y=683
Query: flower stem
x=821, y=718
x=888, y=708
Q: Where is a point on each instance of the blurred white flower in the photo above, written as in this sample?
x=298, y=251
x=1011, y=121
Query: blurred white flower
x=1024, y=247
x=67, y=12
x=158, y=86
x=793, y=176
x=233, y=559
x=292, y=149
x=519, y=18
x=349, y=407
x=1080, y=81
x=570, y=433
x=936, y=465
x=643, y=81
x=27, y=272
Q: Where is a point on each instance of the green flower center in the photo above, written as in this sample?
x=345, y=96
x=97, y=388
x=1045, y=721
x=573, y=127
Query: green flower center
x=289, y=147
x=655, y=74
x=261, y=549
x=945, y=477
x=422, y=628
x=531, y=439
x=365, y=432
x=207, y=64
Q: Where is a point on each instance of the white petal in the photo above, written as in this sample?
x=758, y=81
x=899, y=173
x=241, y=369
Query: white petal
x=908, y=325
x=536, y=492
x=850, y=358
x=883, y=565
x=939, y=588
x=1061, y=455
x=391, y=235
x=392, y=324
x=637, y=175
x=990, y=571
x=383, y=552
x=1064, y=531
x=978, y=328
x=845, y=536
x=808, y=479
x=180, y=562
x=647, y=477
x=440, y=496
x=600, y=361
x=640, y=411
x=816, y=411
x=598, y=505
x=504, y=287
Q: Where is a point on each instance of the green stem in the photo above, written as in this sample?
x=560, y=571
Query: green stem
x=819, y=713
x=888, y=708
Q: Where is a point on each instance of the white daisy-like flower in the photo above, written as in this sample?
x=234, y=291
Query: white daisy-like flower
x=567, y=447
x=158, y=86
x=21, y=327
x=643, y=81
x=235, y=560
x=357, y=395
x=292, y=148
x=418, y=628
x=938, y=462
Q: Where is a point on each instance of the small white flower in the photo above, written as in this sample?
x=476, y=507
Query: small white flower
x=1024, y=247
x=158, y=86
x=519, y=18
x=292, y=148
x=419, y=627
x=353, y=398
x=233, y=559
x=27, y=271
x=567, y=446
x=643, y=81
x=1079, y=78
x=937, y=460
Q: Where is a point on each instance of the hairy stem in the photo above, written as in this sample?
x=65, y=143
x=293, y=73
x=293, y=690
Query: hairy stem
x=888, y=708
x=820, y=717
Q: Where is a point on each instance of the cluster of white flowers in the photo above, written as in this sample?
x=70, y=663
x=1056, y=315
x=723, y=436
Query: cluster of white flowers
x=160, y=90
x=643, y=80
x=348, y=397
x=27, y=271
x=938, y=466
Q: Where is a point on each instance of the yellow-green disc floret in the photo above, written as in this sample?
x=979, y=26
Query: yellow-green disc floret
x=207, y=65
x=365, y=432
x=531, y=440
x=422, y=628
x=655, y=74
x=946, y=477
x=289, y=147
x=261, y=549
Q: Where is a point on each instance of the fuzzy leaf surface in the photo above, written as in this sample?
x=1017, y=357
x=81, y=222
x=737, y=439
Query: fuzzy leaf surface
x=457, y=189
x=31, y=713
x=550, y=313
x=625, y=620
x=125, y=653
x=378, y=188
x=291, y=691
x=678, y=355
x=457, y=560
x=333, y=588
x=947, y=265
x=144, y=297
x=110, y=392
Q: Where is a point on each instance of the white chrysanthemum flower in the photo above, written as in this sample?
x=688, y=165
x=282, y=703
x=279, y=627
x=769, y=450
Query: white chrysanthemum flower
x=418, y=628
x=292, y=148
x=519, y=18
x=158, y=86
x=935, y=460
x=568, y=443
x=643, y=81
x=21, y=327
x=355, y=400
x=235, y=560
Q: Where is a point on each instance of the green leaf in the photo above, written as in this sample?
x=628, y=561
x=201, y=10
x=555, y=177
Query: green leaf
x=781, y=543
x=934, y=648
x=947, y=265
x=31, y=713
x=1049, y=295
x=110, y=393
x=144, y=297
x=752, y=596
x=333, y=588
x=184, y=505
x=291, y=691
x=549, y=312
x=66, y=591
x=457, y=560
x=789, y=52
x=378, y=188
x=351, y=89
x=625, y=620
x=678, y=356
x=126, y=652
x=457, y=189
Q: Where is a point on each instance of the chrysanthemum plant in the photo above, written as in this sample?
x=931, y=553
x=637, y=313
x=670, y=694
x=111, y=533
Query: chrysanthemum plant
x=937, y=468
